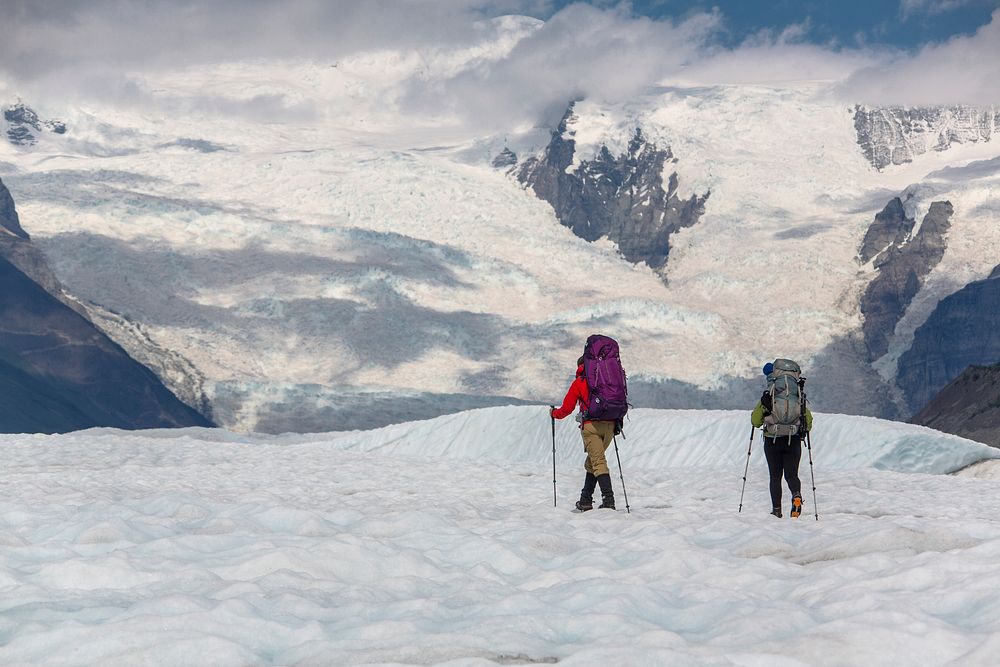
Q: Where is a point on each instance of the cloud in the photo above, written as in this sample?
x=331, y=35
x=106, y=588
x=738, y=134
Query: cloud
x=108, y=49
x=581, y=51
x=962, y=70
x=910, y=8
x=40, y=36
x=775, y=63
x=611, y=54
x=112, y=49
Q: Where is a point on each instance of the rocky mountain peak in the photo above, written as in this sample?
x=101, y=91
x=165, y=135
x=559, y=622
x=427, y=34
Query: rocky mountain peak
x=891, y=228
x=24, y=125
x=620, y=197
x=896, y=135
x=506, y=158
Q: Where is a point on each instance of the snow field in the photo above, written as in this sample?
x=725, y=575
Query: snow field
x=784, y=169
x=242, y=230
x=251, y=291
x=438, y=544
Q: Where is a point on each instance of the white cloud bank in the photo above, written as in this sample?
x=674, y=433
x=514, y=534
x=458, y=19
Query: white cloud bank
x=963, y=70
x=104, y=48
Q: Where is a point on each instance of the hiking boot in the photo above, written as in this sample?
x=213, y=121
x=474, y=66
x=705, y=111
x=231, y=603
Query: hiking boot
x=796, y=507
x=586, y=501
x=607, y=493
x=776, y=512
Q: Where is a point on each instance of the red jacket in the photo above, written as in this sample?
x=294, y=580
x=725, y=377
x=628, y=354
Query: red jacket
x=578, y=394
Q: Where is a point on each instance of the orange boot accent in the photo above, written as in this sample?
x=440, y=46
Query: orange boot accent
x=796, y=507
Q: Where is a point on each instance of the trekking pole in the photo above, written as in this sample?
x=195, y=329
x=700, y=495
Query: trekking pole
x=553, y=419
x=747, y=468
x=624, y=492
x=811, y=474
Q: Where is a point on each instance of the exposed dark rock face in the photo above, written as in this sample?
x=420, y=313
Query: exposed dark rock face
x=622, y=198
x=506, y=158
x=16, y=247
x=182, y=378
x=20, y=135
x=176, y=372
x=902, y=268
x=963, y=330
x=968, y=406
x=9, y=221
x=59, y=373
x=25, y=125
x=895, y=135
x=891, y=227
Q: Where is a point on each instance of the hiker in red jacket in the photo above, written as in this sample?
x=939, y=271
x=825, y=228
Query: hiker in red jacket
x=597, y=436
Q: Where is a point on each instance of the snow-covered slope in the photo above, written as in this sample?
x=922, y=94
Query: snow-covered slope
x=896, y=135
x=437, y=543
x=297, y=244
x=792, y=196
x=657, y=439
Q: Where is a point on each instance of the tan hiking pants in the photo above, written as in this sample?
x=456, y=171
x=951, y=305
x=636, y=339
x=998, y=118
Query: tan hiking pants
x=597, y=435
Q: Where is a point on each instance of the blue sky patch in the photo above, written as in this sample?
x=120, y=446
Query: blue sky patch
x=902, y=24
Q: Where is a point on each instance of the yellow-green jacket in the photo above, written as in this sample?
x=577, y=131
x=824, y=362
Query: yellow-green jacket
x=757, y=417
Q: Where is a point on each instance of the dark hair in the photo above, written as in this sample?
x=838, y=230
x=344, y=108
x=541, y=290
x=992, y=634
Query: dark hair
x=579, y=362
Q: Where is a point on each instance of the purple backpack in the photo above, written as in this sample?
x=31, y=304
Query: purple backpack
x=602, y=366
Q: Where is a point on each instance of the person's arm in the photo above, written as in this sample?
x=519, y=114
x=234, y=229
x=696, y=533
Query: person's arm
x=809, y=419
x=569, y=403
x=762, y=410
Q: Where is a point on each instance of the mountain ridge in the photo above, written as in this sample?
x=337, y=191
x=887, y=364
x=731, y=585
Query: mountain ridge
x=968, y=406
x=268, y=287
x=622, y=198
x=58, y=372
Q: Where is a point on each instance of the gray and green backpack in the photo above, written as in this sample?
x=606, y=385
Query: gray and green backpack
x=787, y=398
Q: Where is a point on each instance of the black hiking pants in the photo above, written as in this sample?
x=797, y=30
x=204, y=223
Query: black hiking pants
x=783, y=454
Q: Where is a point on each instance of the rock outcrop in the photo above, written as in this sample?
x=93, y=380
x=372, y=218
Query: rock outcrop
x=902, y=267
x=896, y=135
x=16, y=247
x=962, y=331
x=59, y=372
x=10, y=223
x=24, y=125
x=622, y=198
x=504, y=159
x=968, y=406
x=891, y=228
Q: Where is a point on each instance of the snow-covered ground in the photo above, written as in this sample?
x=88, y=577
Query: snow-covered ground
x=437, y=543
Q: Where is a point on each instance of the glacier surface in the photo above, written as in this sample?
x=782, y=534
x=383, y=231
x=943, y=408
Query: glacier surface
x=436, y=542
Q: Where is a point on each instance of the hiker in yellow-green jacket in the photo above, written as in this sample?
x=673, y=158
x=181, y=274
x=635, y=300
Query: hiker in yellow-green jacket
x=785, y=417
